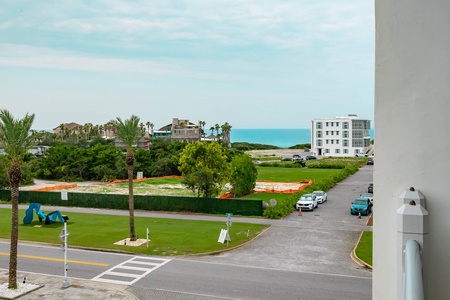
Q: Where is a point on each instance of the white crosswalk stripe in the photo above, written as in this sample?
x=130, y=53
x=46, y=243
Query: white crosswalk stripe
x=131, y=270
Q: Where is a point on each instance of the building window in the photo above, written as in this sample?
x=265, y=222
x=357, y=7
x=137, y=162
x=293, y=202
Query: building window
x=337, y=123
x=332, y=141
x=357, y=143
x=345, y=143
x=326, y=132
x=332, y=132
x=326, y=123
x=336, y=151
x=337, y=142
x=326, y=141
x=319, y=134
x=345, y=151
x=319, y=125
x=332, y=123
x=345, y=125
x=319, y=143
x=345, y=134
x=337, y=132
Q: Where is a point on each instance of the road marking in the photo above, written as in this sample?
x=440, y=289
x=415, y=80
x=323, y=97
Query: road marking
x=79, y=262
x=131, y=270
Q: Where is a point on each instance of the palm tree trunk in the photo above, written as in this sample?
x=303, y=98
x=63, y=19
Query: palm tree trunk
x=14, y=177
x=130, y=195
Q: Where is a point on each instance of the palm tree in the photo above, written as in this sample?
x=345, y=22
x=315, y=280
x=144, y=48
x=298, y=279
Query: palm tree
x=15, y=135
x=226, y=128
x=217, y=127
x=129, y=132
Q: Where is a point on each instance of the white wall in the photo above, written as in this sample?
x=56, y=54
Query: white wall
x=412, y=141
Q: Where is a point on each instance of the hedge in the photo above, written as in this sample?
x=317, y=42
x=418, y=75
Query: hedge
x=242, y=207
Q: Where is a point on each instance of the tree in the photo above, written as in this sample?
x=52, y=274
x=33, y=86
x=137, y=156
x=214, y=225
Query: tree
x=243, y=175
x=226, y=128
x=204, y=168
x=129, y=132
x=16, y=138
x=217, y=127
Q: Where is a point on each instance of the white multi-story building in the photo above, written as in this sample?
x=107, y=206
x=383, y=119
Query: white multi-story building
x=340, y=136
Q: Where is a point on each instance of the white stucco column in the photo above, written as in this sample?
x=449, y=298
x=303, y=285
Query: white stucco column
x=412, y=125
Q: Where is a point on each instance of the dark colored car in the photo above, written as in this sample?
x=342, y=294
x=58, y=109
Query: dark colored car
x=370, y=161
x=286, y=159
x=310, y=157
x=370, y=188
x=361, y=206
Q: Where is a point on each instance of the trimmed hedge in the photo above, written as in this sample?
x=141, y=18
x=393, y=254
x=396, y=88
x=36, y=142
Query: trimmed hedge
x=285, y=207
x=242, y=207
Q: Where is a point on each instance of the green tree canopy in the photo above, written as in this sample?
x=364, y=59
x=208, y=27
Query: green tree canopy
x=204, y=168
x=243, y=175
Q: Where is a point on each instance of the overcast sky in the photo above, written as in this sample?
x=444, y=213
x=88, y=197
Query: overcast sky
x=251, y=63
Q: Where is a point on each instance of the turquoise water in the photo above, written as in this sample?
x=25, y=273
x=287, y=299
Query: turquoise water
x=283, y=138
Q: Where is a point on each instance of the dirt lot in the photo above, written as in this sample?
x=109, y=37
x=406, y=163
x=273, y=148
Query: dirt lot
x=276, y=153
x=168, y=189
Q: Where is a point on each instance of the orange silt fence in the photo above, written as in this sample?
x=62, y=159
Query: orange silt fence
x=304, y=185
x=56, y=187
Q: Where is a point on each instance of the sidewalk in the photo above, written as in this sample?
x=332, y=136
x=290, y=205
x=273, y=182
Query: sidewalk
x=50, y=288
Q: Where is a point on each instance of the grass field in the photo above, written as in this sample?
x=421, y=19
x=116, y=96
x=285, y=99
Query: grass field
x=294, y=174
x=168, y=237
x=364, y=249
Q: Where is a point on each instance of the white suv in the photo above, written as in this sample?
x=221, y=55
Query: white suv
x=307, y=202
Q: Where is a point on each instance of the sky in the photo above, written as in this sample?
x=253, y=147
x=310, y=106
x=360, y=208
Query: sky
x=251, y=63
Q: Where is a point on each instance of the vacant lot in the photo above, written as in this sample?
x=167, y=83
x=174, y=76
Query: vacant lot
x=166, y=186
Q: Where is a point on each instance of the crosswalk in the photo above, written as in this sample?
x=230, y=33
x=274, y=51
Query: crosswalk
x=131, y=270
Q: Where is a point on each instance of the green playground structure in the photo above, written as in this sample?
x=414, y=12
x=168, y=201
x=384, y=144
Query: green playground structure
x=49, y=218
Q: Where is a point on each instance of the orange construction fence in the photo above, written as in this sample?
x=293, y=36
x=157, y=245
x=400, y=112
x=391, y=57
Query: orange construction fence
x=56, y=187
x=304, y=185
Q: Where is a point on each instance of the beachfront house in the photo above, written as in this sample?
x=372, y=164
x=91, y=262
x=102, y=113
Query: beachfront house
x=341, y=136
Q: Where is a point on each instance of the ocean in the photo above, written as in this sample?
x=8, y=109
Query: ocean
x=283, y=138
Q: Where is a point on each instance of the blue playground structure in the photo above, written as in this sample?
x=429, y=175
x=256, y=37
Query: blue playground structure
x=49, y=218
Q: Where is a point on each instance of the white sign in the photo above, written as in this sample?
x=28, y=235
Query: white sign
x=64, y=196
x=223, y=235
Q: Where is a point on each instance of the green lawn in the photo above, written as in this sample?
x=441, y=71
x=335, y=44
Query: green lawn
x=168, y=236
x=267, y=196
x=364, y=248
x=294, y=174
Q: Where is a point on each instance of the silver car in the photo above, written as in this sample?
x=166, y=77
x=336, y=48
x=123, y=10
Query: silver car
x=307, y=202
x=321, y=196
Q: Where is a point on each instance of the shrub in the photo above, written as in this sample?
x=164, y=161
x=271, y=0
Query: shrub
x=286, y=206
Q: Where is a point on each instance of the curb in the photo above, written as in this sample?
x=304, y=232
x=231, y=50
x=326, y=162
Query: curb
x=356, y=259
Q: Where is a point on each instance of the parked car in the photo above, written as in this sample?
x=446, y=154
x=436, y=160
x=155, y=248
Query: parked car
x=361, y=154
x=367, y=195
x=297, y=157
x=370, y=188
x=285, y=159
x=321, y=196
x=307, y=202
x=370, y=161
x=310, y=157
x=361, y=206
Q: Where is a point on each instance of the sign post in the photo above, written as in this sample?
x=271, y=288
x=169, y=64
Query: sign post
x=229, y=223
x=63, y=237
